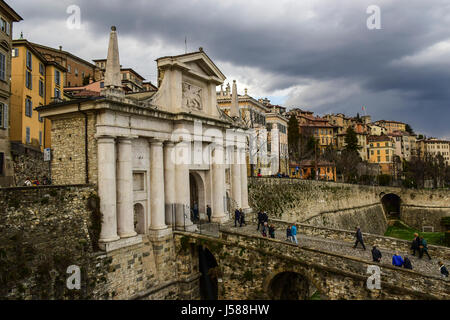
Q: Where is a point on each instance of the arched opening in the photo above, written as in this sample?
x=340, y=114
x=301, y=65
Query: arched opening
x=391, y=204
x=197, y=196
x=290, y=286
x=209, y=269
x=139, y=218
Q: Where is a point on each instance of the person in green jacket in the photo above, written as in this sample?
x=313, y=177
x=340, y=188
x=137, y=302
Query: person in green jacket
x=423, y=247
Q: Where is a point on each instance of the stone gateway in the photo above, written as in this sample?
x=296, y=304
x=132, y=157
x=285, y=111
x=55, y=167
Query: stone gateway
x=156, y=156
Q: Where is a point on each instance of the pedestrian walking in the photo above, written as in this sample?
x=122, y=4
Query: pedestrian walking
x=359, y=238
x=294, y=234
x=241, y=218
x=415, y=244
x=288, y=234
x=265, y=229
x=272, y=231
x=237, y=216
x=397, y=260
x=407, y=263
x=423, y=248
x=376, y=254
x=260, y=220
x=208, y=212
x=265, y=217
x=443, y=270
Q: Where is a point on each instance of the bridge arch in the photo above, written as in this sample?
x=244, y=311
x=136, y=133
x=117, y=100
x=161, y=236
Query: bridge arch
x=391, y=204
x=290, y=285
x=210, y=273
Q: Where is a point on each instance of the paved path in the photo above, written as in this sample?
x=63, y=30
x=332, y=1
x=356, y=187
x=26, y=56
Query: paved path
x=429, y=267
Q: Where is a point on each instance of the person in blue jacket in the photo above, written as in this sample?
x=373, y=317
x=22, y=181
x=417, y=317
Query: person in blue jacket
x=294, y=234
x=397, y=260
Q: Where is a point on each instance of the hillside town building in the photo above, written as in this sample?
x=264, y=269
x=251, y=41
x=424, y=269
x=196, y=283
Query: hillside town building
x=7, y=18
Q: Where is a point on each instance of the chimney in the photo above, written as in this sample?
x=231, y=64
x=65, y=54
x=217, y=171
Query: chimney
x=234, y=102
x=60, y=48
x=112, y=73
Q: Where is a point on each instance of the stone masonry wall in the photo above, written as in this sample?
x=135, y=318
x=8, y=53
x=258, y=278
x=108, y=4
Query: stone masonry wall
x=43, y=230
x=28, y=164
x=248, y=265
x=344, y=206
x=68, y=140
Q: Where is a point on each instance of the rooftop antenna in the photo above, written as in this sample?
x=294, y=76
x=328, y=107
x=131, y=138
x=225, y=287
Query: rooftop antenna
x=185, y=44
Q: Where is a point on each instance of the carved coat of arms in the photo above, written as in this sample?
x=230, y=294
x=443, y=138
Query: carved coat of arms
x=192, y=97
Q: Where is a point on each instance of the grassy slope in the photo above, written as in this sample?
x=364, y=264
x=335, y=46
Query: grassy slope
x=401, y=231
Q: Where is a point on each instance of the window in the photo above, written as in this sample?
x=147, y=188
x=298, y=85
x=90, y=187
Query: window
x=28, y=139
x=58, y=77
x=28, y=80
x=3, y=115
x=102, y=84
x=378, y=151
x=8, y=28
x=15, y=52
x=39, y=115
x=28, y=107
x=40, y=138
x=387, y=158
x=2, y=160
x=41, y=69
x=2, y=67
x=378, y=159
x=69, y=69
x=371, y=152
x=41, y=87
x=3, y=24
x=57, y=93
x=29, y=60
x=76, y=72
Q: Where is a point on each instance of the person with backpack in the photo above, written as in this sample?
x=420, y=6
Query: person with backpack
x=423, y=248
x=443, y=270
x=376, y=254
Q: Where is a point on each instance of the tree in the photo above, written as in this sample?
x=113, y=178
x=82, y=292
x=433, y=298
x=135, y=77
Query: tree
x=293, y=138
x=351, y=140
x=409, y=129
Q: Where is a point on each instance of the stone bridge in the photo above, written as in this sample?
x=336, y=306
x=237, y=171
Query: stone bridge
x=242, y=264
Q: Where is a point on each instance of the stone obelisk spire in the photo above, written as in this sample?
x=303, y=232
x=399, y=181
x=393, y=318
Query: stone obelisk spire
x=234, y=112
x=112, y=73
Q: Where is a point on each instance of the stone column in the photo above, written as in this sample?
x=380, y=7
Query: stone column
x=182, y=192
x=125, y=214
x=244, y=184
x=218, y=179
x=157, y=206
x=107, y=187
x=169, y=182
x=236, y=177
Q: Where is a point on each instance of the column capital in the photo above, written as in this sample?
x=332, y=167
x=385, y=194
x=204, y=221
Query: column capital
x=169, y=143
x=105, y=138
x=156, y=141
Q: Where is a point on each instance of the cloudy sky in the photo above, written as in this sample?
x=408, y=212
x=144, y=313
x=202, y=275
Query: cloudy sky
x=314, y=54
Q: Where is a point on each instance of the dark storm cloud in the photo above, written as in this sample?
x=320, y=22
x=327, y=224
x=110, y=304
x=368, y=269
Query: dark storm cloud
x=325, y=43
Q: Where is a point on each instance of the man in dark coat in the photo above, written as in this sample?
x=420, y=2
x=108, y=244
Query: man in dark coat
x=376, y=254
x=260, y=220
x=208, y=212
x=415, y=244
x=407, y=263
x=359, y=238
x=443, y=270
x=237, y=216
x=265, y=217
x=241, y=218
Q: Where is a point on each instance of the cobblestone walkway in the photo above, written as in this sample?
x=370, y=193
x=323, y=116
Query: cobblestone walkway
x=428, y=267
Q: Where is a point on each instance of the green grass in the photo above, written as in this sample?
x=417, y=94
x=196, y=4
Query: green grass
x=400, y=231
x=315, y=296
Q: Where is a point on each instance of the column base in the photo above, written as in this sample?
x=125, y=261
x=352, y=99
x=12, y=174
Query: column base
x=127, y=234
x=106, y=240
x=157, y=235
x=120, y=243
x=220, y=219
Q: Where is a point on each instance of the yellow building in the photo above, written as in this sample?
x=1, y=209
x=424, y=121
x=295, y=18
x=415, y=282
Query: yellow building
x=434, y=147
x=34, y=82
x=306, y=168
x=381, y=151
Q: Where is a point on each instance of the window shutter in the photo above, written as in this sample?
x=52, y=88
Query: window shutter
x=5, y=116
